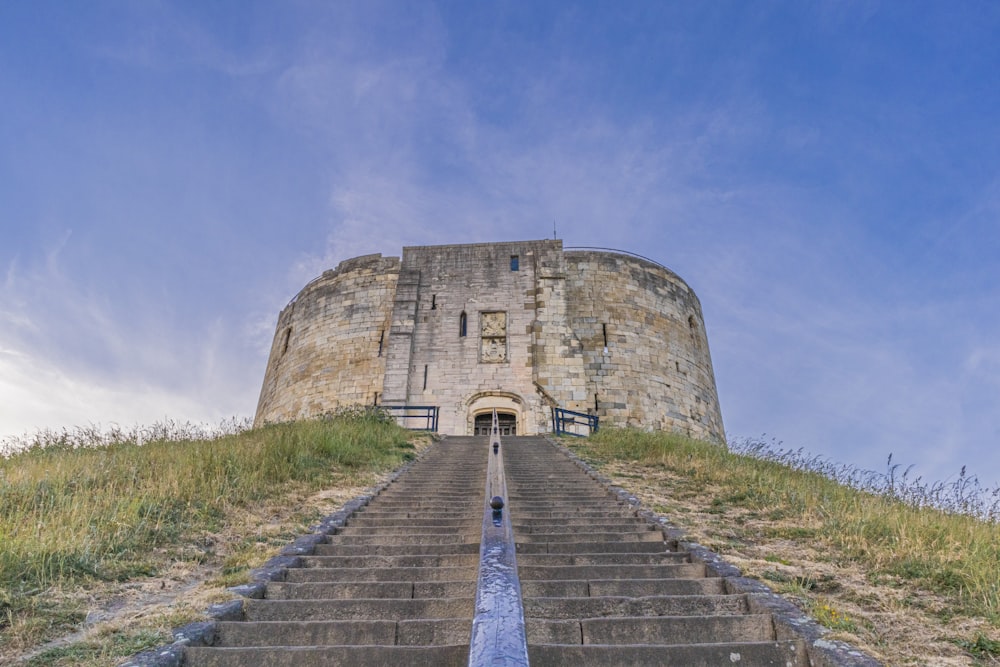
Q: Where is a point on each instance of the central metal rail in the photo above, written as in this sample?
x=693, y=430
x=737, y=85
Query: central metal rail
x=498, y=635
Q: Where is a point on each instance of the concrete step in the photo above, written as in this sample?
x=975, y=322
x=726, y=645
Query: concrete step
x=431, y=492
x=745, y=654
x=454, y=528
x=622, y=587
x=360, y=519
x=429, y=508
x=602, y=524
x=659, y=571
x=613, y=558
x=338, y=549
x=565, y=494
x=565, y=489
x=323, y=656
x=593, y=536
x=560, y=504
x=643, y=630
x=418, y=632
x=351, y=590
x=468, y=559
x=577, y=527
x=357, y=574
x=527, y=513
x=358, y=609
x=403, y=522
x=390, y=539
x=590, y=547
x=415, y=500
x=656, y=605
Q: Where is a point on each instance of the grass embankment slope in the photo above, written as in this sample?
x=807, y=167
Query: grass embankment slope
x=127, y=539
x=126, y=528
x=912, y=584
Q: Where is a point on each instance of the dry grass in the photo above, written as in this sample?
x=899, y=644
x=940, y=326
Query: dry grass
x=107, y=543
x=911, y=584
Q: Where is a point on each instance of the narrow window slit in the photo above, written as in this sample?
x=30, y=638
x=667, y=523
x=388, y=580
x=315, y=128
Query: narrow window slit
x=425, y=376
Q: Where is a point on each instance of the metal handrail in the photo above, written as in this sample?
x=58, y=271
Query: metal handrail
x=429, y=413
x=498, y=634
x=561, y=418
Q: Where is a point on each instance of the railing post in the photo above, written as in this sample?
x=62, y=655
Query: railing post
x=498, y=634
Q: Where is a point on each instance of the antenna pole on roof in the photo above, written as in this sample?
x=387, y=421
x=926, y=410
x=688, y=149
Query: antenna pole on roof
x=554, y=237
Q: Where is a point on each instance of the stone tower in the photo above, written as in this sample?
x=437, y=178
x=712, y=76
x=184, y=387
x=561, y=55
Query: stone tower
x=519, y=327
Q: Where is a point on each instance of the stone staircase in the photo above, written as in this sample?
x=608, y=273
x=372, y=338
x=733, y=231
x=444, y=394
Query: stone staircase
x=602, y=587
x=395, y=586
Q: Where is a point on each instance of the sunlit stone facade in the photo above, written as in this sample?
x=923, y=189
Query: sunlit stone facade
x=520, y=327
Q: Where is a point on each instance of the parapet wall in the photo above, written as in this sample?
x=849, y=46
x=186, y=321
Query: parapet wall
x=521, y=327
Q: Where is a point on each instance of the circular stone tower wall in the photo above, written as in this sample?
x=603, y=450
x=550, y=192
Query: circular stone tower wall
x=595, y=331
x=644, y=344
x=329, y=344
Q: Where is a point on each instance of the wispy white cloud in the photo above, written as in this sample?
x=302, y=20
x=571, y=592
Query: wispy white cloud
x=68, y=355
x=35, y=394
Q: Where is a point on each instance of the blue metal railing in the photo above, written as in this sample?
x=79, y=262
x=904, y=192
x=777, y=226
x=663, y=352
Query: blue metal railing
x=498, y=634
x=405, y=413
x=567, y=422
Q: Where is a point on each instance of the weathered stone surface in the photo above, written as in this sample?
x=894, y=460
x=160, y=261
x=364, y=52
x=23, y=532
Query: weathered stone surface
x=458, y=327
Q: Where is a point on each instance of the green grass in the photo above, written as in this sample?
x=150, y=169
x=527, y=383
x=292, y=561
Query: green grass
x=891, y=528
x=87, y=507
x=981, y=647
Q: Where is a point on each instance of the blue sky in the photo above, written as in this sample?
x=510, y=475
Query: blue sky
x=825, y=175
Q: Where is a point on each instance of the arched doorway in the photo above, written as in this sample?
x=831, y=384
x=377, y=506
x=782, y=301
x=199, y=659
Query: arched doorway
x=510, y=413
x=507, y=422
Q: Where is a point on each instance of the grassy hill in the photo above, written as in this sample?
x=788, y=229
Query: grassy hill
x=128, y=534
x=908, y=570
x=88, y=518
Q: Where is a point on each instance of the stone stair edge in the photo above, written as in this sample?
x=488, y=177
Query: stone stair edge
x=790, y=621
x=202, y=633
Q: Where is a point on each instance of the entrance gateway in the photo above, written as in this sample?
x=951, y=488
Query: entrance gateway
x=510, y=414
x=506, y=421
